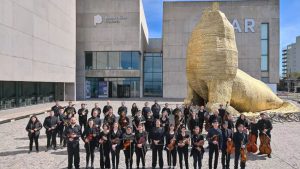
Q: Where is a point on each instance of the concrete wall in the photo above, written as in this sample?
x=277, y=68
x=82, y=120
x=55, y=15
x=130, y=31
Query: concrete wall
x=128, y=32
x=37, y=40
x=179, y=19
x=293, y=57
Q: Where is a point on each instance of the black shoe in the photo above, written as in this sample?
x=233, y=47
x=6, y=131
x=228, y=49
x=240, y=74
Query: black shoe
x=54, y=148
x=29, y=151
x=260, y=153
x=269, y=156
x=46, y=150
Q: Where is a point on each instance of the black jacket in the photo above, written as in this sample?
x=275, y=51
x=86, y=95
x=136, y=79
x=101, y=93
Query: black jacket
x=76, y=129
x=195, y=139
x=214, y=132
x=167, y=110
x=49, y=122
x=31, y=126
x=134, y=110
x=106, y=108
x=122, y=109
x=155, y=108
x=239, y=139
x=226, y=134
x=70, y=110
x=97, y=121
x=145, y=111
x=158, y=133
x=83, y=116
x=264, y=124
x=241, y=121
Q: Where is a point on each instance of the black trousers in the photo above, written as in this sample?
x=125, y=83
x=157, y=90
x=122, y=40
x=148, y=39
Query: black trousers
x=128, y=158
x=183, y=152
x=61, y=135
x=213, y=149
x=34, y=137
x=225, y=159
x=237, y=158
x=115, y=155
x=82, y=123
x=51, y=138
x=73, y=152
x=197, y=156
x=140, y=155
x=172, y=157
x=90, y=152
x=104, y=156
x=157, y=149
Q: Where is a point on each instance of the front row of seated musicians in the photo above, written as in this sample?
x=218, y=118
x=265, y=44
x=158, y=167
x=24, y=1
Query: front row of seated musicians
x=111, y=140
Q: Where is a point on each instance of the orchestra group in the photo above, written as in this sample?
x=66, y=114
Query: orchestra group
x=151, y=128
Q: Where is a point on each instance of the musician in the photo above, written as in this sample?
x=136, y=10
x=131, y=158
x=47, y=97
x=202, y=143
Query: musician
x=222, y=112
x=193, y=121
x=176, y=110
x=164, y=121
x=264, y=126
x=55, y=108
x=179, y=120
x=138, y=119
x=61, y=124
x=33, y=128
x=242, y=120
x=106, y=108
x=122, y=108
x=96, y=119
x=227, y=135
x=73, y=133
x=240, y=140
x=98, y=109
x=171, y=146
x=214, y=137
x=89, y=137
x=134, y=110
x=50, y=125
x=128, y=146
x=155, y=108
x=183, y=141
x=115, y=136
x=123, y=121
x=197, y=147
x=230, y=122
x=140, y=147
x=157, y=137
x=146, y=109
x=186, y=113
x=83, y=112
x=149, y=123
x=215, y=116
x=166, y=108
x=201, y=117
x=104, y=143
x=110, y=118
x=253, y=128
x=70, y=109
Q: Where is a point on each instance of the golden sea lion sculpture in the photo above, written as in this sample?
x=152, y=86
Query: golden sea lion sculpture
x=213, y=74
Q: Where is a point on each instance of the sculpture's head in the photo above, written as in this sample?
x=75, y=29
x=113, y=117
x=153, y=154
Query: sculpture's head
x=212, y=52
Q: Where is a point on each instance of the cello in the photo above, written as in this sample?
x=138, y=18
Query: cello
x=265, y=147
x=251, y=146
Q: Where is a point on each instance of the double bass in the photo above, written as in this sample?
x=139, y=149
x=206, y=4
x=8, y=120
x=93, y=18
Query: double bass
x=264, y=146
x=251, y=146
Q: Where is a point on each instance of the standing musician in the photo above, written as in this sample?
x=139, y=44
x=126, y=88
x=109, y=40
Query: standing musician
x=264, y=126
x=96, y=119
x=123, y=121
x=166, y=108
x=197, y=147
x=201, y=117
x=128, y=146
x=83, y=112
x=109, y=118
x=98, y=109
x=146, y=109
x=179, y=121
x=70, y=109
x=157, y=138
x=227, y=135
x=230, y=122
x=122, y=108
x=73, y=133
x=155, y=108
x=183, y=142
x=222, y=112
x=104, y=149
x=186, y=112
x=33, y=128
x=138, y=119
x=215, y=116
x=89, y=137
x=61, y=125
x=193, y=121
x=115, y=137
x=240, y=140
x=140, y=147
x=171, y=146
x=214, y=137
x=242, y=120
x=134, y=110
x=149, y=124
x=50, y=124
x=176, y=110
x=164, y=121
x=106, y=108
x=56, y=108
x=253, y=128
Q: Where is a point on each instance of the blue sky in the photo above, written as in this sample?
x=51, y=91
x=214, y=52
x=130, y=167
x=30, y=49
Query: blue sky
x=289, y=19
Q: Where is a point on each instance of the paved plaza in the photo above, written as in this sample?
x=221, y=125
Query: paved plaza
x=14, y=147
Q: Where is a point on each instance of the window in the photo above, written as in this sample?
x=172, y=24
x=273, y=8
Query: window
x=88, y=60
x=113, y=60
x=101, y=60
x=264, y=31
x=126, y=60
x=153, y=75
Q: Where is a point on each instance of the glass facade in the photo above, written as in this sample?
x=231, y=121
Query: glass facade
x=126, y=60
x=264, y=38
x=153, y=74
x=18, y=94
x=112, y=87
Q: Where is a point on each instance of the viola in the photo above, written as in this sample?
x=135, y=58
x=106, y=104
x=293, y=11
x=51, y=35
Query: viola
x=265, y=147
x=251, y=146
x=126, y=144
x=171, y=145
x=243, y=154
x=230, y=147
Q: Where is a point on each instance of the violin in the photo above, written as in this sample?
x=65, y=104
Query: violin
x=230, y=147
x=89, y=137
x=171, y=145
x=243, y=154
x=127, y=144
x=251, y=146
x=265, y=147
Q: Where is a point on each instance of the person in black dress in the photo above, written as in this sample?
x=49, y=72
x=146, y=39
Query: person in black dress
x=171, y=148
x=134, y=110
x=89, y=137
x=183, y=142
x=33, y=128
x=115, y=137
x=140, y=147
x=104, y=143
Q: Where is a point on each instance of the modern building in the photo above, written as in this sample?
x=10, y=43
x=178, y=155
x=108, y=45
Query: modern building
x=37, y=52
x=291, y=59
